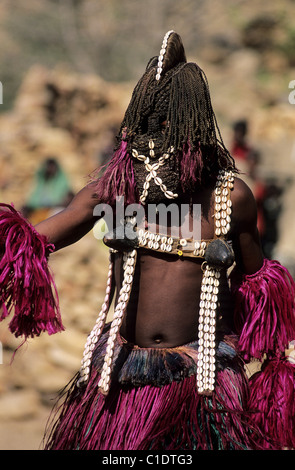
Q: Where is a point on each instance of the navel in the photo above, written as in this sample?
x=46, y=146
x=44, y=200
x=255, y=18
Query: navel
x=158, y=339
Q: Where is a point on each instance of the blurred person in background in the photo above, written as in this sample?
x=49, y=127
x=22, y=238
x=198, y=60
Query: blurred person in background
x=240, y=147
x=267, y=192
x=51, y=191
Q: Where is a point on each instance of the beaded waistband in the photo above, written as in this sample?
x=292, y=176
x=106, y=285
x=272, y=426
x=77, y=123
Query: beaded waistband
x=172, y=245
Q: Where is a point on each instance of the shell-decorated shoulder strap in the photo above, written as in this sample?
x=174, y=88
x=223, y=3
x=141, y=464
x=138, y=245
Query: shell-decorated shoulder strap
x=209, y=296
x=223, y=203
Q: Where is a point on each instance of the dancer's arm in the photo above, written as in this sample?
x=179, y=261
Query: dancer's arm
x=72, y=223
x=246, y=240
x=263, y=290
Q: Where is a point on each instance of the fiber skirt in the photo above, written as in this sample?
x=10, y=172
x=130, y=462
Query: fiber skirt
x=153, y=403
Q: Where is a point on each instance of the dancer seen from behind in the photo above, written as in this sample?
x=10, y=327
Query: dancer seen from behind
x=168, y=371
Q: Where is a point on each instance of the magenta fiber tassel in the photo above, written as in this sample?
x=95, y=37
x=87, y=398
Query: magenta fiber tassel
x=118, y=178
x=191, y=166
x=272, y=400
x=265, y=310
x=26, y=285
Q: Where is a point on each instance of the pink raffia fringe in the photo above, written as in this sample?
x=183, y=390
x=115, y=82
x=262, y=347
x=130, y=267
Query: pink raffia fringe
x=153, y=403
x=171, y=417
x=26, y=285
x=191, y=166
x=265, y=318
x=118, y=178
x=265, y=310
x=272, y=400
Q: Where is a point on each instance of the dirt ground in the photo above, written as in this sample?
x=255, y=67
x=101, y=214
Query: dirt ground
x=23, y=434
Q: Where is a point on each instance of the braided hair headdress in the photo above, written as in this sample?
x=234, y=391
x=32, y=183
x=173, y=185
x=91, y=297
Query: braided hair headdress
x=170, y=107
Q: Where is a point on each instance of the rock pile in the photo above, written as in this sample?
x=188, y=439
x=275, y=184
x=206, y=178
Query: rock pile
x=62, y=115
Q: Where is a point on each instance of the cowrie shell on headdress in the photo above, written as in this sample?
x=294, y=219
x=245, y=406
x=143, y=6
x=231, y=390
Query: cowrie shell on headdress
x=161, y=55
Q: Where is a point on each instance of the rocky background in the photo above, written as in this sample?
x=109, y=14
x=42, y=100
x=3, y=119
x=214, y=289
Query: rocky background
x=68, y=69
